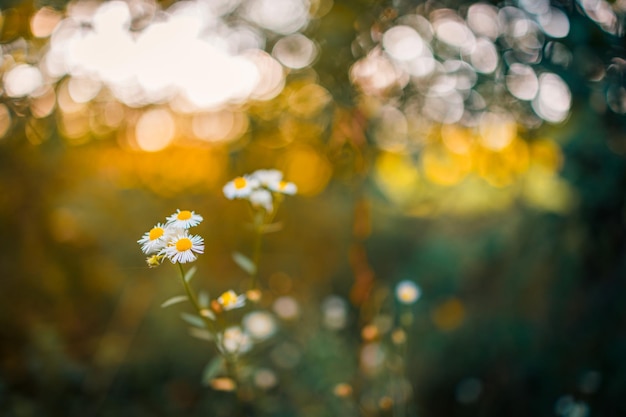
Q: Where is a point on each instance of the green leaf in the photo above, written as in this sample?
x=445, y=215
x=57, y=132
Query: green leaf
x=193, y=320
x=201, y=334
x=206, y=312
x=212, y=369
x=190, y=274
x=203, y=299
x=244, y=263
x=174, y=300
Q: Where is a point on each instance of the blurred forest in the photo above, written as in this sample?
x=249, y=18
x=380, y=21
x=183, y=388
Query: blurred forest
x=473, y=149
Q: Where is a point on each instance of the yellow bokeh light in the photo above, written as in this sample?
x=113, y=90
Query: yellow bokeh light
x=66, y=102
x=397, y=175
x=155, y=130
x=497, y=130
x=167, y=173
x=546, y=191
x=546, y=154
x=220, y=126
x=113, y=114
x=308, y=168
x=458, y=139
x=444, y=168
x=477, y=197
x=44, y=104
x=308, y=100
x=75, y=128
x=501, y=169
x=303, y=131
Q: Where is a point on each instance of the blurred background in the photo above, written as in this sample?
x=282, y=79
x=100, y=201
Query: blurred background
x=472, y=149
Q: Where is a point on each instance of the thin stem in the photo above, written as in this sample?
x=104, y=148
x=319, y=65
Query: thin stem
x=194, y=301
x=402, y=398
x=230, y=361
x=231, y=366
x=256, y=255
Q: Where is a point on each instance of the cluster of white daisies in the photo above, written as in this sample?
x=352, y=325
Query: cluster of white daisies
x=260, y=188
x=172, y=239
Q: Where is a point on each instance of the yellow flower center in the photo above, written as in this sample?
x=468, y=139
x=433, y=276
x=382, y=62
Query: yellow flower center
x=240, y=182
x=282, y=185
x=183, y=244
x=407, y=295
x=228, y=298
x=156, y=233
x=184, y=215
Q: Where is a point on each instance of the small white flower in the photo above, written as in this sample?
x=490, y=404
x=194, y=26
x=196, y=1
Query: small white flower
x=407, y=292
x=283, y=187
x=184, y=219
x=260, y=325
x=230, y=300
x=240, y=187
x=261, y=198
x=234, y=340
x=155, y=240
x=182, y=247
x=267, y=176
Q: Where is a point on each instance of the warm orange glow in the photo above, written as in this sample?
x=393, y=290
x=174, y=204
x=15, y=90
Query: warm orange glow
x=220, y=126
x=155, y=130
x=443, y=167
x=503, y=168
x=397, y=175
x=307, y=100
x=546, y=154
x=43, y=105
x=449, y=315
x=44, y=21
x=458, y=139
x=309, y=169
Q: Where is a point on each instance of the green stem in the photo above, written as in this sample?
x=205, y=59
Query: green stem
x=400, y=400
x=231, y=363
x=231, y=366
x=194, y=301
x=256, y=255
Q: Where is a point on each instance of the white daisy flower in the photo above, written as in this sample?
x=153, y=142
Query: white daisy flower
x=260, y=325
x=155, y=240
x=182, y=247
x=184, y=219
x=230, y=300
x=267, y=176
x=261, y=198
x=234, y=340
x=283, y=187
x=408, y=292
x=240, y=187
